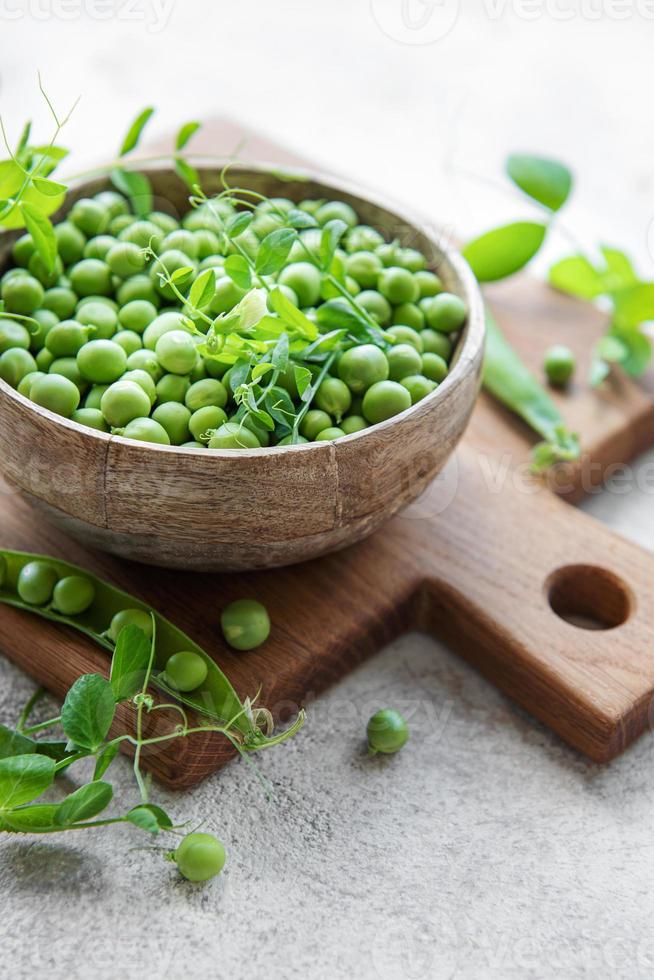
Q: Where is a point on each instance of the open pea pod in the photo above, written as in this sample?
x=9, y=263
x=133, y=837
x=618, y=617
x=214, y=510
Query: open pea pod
x=215, y=698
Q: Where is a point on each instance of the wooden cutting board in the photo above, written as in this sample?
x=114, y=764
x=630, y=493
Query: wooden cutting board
x=479, y=560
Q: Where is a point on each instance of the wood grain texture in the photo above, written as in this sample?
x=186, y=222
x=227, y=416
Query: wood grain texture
x=207, y=510
x=479, y=559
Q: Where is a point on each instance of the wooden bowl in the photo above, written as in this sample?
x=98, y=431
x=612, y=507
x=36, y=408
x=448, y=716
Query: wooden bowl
x=212, y=510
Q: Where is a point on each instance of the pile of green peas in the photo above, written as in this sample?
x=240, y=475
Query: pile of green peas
x=105, y=343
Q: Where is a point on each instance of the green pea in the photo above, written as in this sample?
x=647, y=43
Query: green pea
x=234, y=435
x=411, y=259
x=304, y=279
x=145, y=380
x=192, y=445
x=353, y=423
x=398, y=285
x=113, y=202
x=260, y=432
x=429, y=283
x=245, y=624
x=73, y=595
x=25, y=385
x=45, y=320
x=163, y=324
x=137, y=315
x=364, y=267
x=559, y=365
x=336, y=210
x=288, y=441
x=47, y=275
x=446, y=313
x=403, y=360
x=56, y=393
x=362, y=366
x=177, y=352
x=61, y=300
x=434, y=367
x=118, y=224
x=384, y=400
x=90, y=216
x=145, y=360
x=401, y=334
x=15, y=365
x=172, y=388
x=124, y=401
x=328, y=435
x=376, y=305
x=142, y=233
x=125, y=259
x=70, y=242
x=387, y=252
x=138, y=288
x=314, y=422
x=185, y=671
x=363, y=238
x=418, y=387
x=92, y=418
x=175, y=418
x=13, y=334
x=387, y=732
x=207, y=243
x=181, y=240
x=130, y=617
x=23, y=250
x=334, y=397
x=227, y=295
x=22, y=294
x=67, y=368
x=436, y=343
x=129, y=340
x=146, y=430
x=289, y=293
x=99, y=247
x=36, y=583
x=165, y=222
x=205, y=421
x=102, y=361
x=90, y=277
x=44, y=360
x=66, y=338
x=200, y=857
x=94, y=397
x=209, y=391
x=410, y=315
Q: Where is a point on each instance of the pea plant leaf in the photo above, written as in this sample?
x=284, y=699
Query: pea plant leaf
x=635, y=304
x=40, y=228
x=84, y=803
x=187, y=172
x=185, y=133
x=150, y=818
x=330, y=238
x=238, y=269
x=203, y=289
x=546, y=181
x=13, y=743
x=136, y=187
x=35, y=819
x=619, y=273
x=303, y=379
x=88, y=711
x=129, y=664
x=51, y=188
x=238, y=224
x=503, y=251
x=576, y=276
x=274, y=251
x=638, y=348
x=23, y=778
x=105, y=758
x=133, y=134
x=300, y=220
x=291, y=316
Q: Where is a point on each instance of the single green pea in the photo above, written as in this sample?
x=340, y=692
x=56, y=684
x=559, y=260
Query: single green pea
x=192, y=445
x=73, y=595
x=145, y=360
x=364, y=267
x=137, y=315
x=23, y=250
x=262, y=434
x=353, y=423
x=403, y=360
x=204, y=421
x=142, y=233
x=181, y=240
x=387, y=252
x=387, y=732
x=56, y=393
x=398, y=286
x=90, y=277
x=125, y=259
x=376, y=305
x=436, y=343
x=334, y=397
x=245, y=624
x=209, y=391
x=145, y=380
x=288, y=441
x=129, y=340
x=172, y=388
x=44, y=360
x=15, y=365
x=363, y=238
x=145, y=430
x=401, y=334
x=411, y=259
x=67, y=368
x=92, y=418
x=61, y=300
x=25, y=385
x=200, y=857
x=165, y=222
x=434, y=367
x=199, y=372
x=66, y=338
x=130, y=617
x=70, y=242
x=185, y=671
x=138, y=288
x=429, y=283
x=207, y=243
x=94, y=396
x=226, y=296
x=559, y=365
x=102, y=300
x=13, y=334
x=161, y=325
x=336, y=210
x=233, y=435
x=118, y=224
x=212, y=262
x=175, y=418
x=384, y=400
x=177, y=352
x=36, y=582
x=102, y=361
x=90, y=216
x=418, y=387
x=410, y=315
x=113, y=203
x=124, y=401
x=45, y=321
x=99, y=247
x=362, y=366
x=328, y=435
x=314, y=422
x=22, y=294
x=47, y=275
x=446, y=312
x=304, y=279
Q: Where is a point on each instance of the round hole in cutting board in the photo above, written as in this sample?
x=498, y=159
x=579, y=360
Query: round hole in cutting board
x=589, y=597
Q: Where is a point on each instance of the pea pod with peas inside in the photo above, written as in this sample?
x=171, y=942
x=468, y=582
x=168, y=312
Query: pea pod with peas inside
x=56, y=590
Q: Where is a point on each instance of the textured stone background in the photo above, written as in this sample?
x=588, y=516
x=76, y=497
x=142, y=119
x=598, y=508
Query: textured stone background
x=487, y=849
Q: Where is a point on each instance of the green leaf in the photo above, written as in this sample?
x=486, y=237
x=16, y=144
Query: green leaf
x=503, y=251
x=238, y=270
x=620, y=273
x=546, y=181
x=181, y=275
x=88, y=711
x=577, y=277
x=134, y=132
x=23, y=778
x=49, y=187
x=300, y=219
x=280, y=406
x=635, y=305
x=84, y=803
x=136, y=187
x=238, y=224
x=35, y=819
x=303, y=379
x=129, y=663
x=274, y=251
x=279, y=356
x=188, y=130
x=105, y=758
x=263, y=367
x=203, y=289
x=188, y=173
x=331, y=235
x=24, y=138
x=291, y=316
x=638, y=349
x=13, y=743
x=42, y=232
x=150, y=818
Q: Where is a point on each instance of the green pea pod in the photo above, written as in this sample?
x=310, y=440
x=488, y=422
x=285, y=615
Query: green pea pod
x=512, y=383
x=215, y=698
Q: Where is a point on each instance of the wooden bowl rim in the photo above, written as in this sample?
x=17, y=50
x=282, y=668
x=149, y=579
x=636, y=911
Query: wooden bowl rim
x=471, y=344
